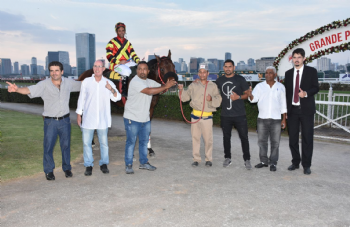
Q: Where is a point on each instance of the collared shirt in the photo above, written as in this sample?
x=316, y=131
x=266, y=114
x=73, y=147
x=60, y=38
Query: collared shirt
x=56, y=101
x=294, y=79
x=195, y=93
x=94, y=103
x=138, y=104
x=271, y=100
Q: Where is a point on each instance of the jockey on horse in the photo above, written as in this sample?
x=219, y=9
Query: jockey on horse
x=122, y=57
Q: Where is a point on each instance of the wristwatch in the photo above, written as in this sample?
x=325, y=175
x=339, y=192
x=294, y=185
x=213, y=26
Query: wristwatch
x=240, y=97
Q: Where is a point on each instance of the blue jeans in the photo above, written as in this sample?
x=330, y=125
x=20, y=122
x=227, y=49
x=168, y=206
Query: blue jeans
x=133, y=130
x=52, y=129
x=88, y=134
x=269, y=128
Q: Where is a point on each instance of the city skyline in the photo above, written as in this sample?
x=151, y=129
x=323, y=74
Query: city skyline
x=189, y=29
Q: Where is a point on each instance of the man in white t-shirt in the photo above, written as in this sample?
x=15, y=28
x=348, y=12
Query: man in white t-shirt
x=136, y=115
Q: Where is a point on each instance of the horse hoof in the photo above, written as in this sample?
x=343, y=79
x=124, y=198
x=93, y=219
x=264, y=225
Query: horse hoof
x=151, y=152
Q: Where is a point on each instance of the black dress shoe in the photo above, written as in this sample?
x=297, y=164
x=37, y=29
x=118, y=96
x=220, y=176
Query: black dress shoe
x=208, y=163
x=88, y=171
x=104, y=168
x=260, y=165
x=307, y=171
x=293, y=167
x=68, y=173
x=195, y=164
x=50, y=176
x=273, y=168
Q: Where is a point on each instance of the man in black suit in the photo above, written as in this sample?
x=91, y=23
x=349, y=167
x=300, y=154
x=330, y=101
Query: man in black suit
x=301, y=84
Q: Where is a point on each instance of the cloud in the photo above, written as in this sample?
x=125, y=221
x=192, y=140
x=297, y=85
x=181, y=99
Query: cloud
x=36, y=33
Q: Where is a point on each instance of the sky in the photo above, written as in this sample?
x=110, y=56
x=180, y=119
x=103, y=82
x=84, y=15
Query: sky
x=207, y=29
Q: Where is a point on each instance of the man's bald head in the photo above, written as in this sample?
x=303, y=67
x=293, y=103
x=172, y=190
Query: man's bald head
x=98, y=68
x=99, y=62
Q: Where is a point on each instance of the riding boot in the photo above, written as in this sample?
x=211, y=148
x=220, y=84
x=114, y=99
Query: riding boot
x=125, y=86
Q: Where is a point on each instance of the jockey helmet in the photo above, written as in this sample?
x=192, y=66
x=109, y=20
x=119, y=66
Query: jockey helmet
x=118, y=25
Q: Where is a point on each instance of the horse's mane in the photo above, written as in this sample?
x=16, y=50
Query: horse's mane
x=152, y=64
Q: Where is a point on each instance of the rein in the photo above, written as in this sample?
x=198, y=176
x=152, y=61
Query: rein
x=160, y=75
x=183, y=115
x=159, y=70
x=120, y=90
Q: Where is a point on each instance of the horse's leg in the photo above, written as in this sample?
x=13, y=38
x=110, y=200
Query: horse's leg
x=155, y=99
x=150, y=150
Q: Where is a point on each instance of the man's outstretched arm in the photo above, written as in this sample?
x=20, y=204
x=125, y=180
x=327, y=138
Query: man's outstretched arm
x=13, y=88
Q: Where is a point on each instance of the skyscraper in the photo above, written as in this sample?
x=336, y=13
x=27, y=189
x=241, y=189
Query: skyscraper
x=47, y=65
x=16, y=68
x=200, y=60
x=263, y=63
x=193, y=65
x=5, y=66
x=227, y=56
x=221, y=65
x=34, y=66
x=41, y=70
x=25, y=69
x=52, y=56
x=61, y=56
x=85, y=51
x=183, y=67
x=215, y=63
x=323, y=64
x=177, y=66
x=34, y=61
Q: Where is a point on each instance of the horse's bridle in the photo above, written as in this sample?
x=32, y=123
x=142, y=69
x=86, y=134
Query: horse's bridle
x=162, y=58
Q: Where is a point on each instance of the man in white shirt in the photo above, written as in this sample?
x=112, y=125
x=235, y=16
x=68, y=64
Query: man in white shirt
x=271, y=99
x=136, y=115
x=95, y=106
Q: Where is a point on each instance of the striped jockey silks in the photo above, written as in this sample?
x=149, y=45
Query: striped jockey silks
x=120, y=49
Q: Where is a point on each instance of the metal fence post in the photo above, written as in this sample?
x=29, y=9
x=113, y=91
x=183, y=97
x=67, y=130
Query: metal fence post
x=330, y=99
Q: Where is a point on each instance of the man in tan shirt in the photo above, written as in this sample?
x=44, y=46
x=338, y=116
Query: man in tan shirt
x=204, y=127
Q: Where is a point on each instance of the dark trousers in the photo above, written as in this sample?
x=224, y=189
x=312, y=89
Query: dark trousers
x=240, y=123
x=297, y=121
x=269, y=128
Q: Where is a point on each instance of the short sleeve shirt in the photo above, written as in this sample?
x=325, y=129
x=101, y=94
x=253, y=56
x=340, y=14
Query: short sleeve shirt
x=236, y=84
x=56, y=101
x=138, y=104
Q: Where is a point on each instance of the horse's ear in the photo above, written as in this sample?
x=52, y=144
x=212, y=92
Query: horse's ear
x=158, y=59
x=169, y=54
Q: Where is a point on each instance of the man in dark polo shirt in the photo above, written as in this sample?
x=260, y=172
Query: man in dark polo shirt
x=233, y=88
x=55, y=93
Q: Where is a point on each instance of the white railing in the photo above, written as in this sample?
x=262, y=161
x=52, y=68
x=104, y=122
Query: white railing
x=332, y=118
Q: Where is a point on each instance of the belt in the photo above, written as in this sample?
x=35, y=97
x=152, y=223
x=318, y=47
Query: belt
x=203, y=118
x=58, y=118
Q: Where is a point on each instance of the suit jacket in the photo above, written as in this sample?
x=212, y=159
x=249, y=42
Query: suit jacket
x=309, y=83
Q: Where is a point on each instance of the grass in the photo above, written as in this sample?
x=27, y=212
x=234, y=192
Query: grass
x=340, y=92
x=21, y=145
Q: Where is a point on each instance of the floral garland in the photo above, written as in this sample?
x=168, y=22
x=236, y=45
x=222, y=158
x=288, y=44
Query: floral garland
x=334, y=49
x=333, y=25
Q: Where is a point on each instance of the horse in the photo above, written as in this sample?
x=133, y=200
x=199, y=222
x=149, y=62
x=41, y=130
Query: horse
x=161, y=69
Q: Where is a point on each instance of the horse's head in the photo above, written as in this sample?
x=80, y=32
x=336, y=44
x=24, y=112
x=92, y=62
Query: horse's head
x=166, y=69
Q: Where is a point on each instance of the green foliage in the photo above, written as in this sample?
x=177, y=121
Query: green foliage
x=168, y=107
